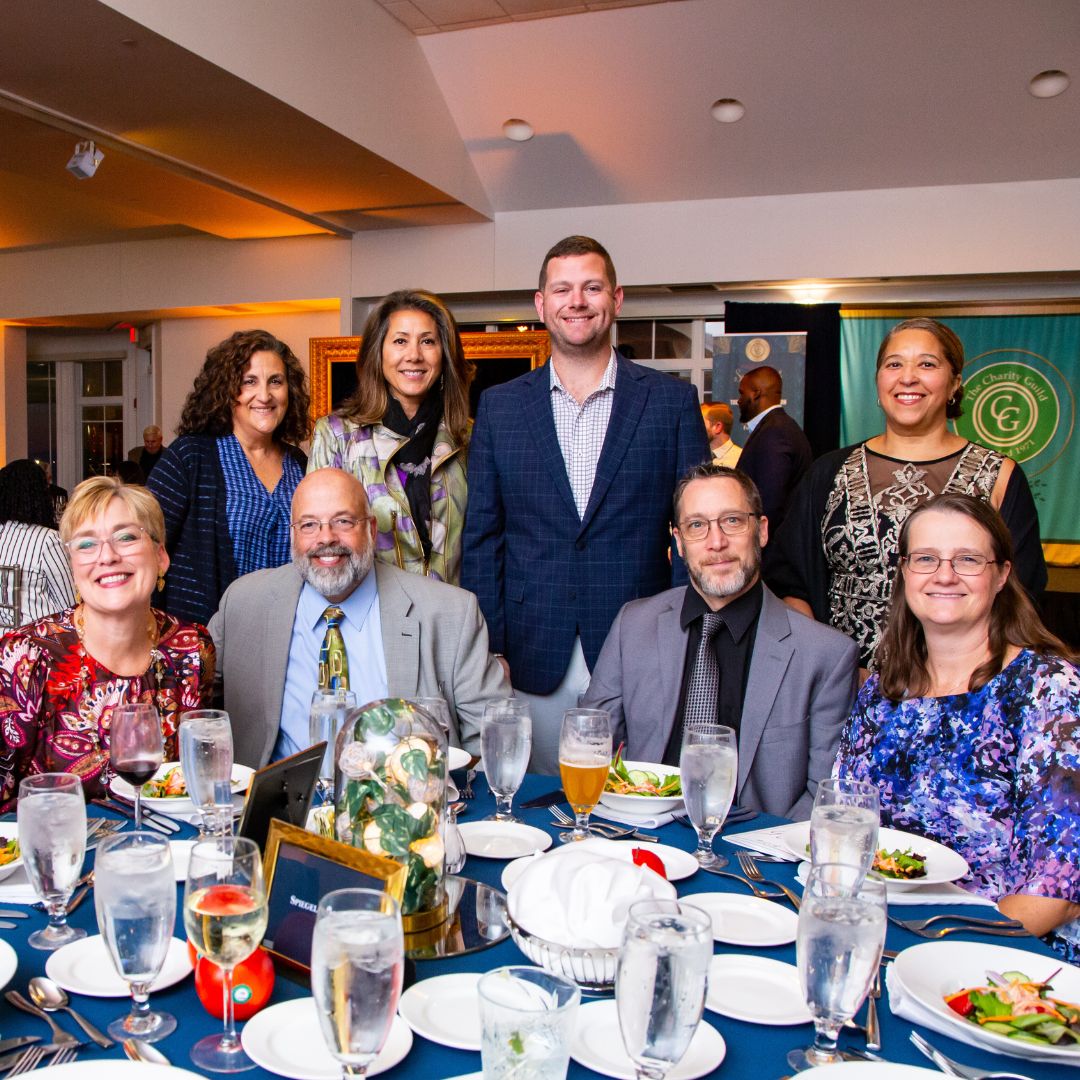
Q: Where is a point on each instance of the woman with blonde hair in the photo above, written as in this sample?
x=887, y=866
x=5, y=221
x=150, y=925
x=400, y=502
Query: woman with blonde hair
x=62, y=676
x=403, y=433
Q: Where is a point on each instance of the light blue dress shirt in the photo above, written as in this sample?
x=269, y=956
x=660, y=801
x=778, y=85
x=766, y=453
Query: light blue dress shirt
x=751, y=424
x=362, y=631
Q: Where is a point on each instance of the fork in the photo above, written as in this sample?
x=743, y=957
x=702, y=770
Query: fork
x=954, y=1068
x=873, y=1027
x=750, y=869
x=27, y=1060
x=915, y=925
x=609, y=832
x=753, y=886
x=936, y=935
x=467, y=791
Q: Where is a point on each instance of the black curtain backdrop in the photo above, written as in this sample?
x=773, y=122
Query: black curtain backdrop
x=821, y=419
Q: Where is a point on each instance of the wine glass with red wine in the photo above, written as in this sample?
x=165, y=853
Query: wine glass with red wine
x=136, y=747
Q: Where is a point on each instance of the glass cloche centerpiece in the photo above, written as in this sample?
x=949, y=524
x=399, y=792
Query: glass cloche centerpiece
x=391, y=791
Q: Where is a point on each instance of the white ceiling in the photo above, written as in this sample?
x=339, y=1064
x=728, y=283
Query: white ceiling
x=840, y=95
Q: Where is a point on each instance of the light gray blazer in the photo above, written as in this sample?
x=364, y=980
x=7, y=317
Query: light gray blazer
x=799, y=692
x=434, y=638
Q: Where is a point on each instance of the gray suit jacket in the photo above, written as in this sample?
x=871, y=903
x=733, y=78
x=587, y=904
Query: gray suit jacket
x=434, y=638
x=799, y=692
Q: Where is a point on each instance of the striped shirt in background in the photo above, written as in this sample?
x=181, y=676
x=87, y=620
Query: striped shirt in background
x=47, y=585
x=258, y=519
x=581, y=430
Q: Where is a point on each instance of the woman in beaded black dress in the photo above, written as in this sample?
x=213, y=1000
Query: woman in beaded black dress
x=838, y=549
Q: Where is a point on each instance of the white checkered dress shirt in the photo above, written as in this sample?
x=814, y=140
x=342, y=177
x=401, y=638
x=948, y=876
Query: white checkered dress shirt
x=581, y=430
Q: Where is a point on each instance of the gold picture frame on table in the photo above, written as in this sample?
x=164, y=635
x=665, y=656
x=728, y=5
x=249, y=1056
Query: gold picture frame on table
x=300, y=869
x=333, y=360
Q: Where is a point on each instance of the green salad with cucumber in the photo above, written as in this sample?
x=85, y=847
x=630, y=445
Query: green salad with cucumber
x=1013, y=1005
x=624, y=781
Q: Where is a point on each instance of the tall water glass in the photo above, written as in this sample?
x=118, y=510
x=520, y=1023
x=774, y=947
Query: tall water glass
x=440, y=712
x=660, y=982
x=225, y=919
x=505, y=745
x=136, y=747
x=584, y=760
x=527, y=1018
x=709, y=764
x=838, y=949
x=844, y=823
x=206, y=754
x=135, y=898
x=357, y=967
x=325, y=721
x=52, y=838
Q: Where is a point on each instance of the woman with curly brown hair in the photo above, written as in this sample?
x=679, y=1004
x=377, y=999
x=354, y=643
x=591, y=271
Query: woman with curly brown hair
x=225, y=485
x=403, y=433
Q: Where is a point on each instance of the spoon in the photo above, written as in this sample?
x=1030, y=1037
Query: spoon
x=45, y=994
x=138, y=1050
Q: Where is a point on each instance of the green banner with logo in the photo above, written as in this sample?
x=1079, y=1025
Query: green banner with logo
x=1018, y=399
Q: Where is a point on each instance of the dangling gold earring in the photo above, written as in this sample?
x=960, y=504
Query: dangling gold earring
x=161, y=581
x=78, y=596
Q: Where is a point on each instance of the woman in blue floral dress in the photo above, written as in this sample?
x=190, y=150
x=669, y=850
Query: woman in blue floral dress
x=971, y=727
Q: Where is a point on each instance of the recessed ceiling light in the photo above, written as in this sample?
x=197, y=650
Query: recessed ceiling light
x=1048, y=84
x=518, y=130
x=728, y=110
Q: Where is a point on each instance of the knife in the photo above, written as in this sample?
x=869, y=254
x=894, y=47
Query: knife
x=552, y=798
x=7, y=913
x=14, y=1044
x=119, y=808
x=148, y=815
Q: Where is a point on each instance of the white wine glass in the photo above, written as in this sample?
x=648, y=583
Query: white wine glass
x=505, y=745
x=357, y=968
x=584, y=760
x=51, y=816
x=325, y=721
x=840, y=938
x=660, y=982
x=709, y=768
x=844, y=823
x=225, y=918
x=206, y=756
x=136, y=746
x=135, y=899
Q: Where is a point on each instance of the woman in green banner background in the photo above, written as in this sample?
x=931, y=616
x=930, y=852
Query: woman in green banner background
x=837, y=552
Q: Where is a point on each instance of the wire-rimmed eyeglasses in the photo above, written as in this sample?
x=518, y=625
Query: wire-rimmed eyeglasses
x=966, y=565
x=342, y=524
x=733, y=523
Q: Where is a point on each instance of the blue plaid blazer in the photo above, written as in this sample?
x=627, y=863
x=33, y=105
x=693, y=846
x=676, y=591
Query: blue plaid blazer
x=542, y=574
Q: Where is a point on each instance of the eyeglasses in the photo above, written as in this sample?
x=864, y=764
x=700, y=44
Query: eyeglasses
x=86, y=549
x=922, y=562
x=733, y=523
x=342, y=524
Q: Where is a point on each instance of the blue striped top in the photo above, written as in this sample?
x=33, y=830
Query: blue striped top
x=258, y=519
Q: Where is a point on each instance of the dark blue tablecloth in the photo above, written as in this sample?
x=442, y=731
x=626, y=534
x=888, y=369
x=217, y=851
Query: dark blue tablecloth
x=754, y=1052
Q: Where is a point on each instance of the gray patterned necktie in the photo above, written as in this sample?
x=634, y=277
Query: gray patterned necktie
x=701, y=694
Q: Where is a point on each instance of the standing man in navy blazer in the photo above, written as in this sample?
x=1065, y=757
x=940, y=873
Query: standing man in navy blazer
x=571, y=472
x=777, y=453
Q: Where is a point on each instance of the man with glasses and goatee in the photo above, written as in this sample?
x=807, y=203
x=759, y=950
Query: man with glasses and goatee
x=336, y=618
x=725, y=648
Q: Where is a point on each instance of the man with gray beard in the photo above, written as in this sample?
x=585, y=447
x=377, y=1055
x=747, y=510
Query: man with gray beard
x=335, y=616
x=725, y=649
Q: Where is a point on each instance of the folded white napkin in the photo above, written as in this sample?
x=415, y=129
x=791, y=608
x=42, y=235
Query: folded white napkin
x=901, y=1003
x=769, y=841
x=945, y=893
x=579, y=895
x=652, y=821
x=16, y=889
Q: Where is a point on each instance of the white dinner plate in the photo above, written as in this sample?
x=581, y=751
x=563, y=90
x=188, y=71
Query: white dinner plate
x=182, y=806
x=757, y=989
x=456, y=758
x=747, y=920
x=445, y=1009
x=942, y=864
x=644, y=805
x=871, y=1070
x=597, y=1044
x=929, y=971
x=678, y=864
x=85, y=967
x=9, y=963
x=287, y=1039
x=502, y=839
x=9, y=830
x=110, y=1068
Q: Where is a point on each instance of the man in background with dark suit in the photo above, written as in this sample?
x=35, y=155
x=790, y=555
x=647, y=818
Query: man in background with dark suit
x=571, y=471
x=777, y=453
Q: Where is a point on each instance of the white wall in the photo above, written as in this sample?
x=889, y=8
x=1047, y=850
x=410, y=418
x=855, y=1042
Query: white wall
x=183, y=343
